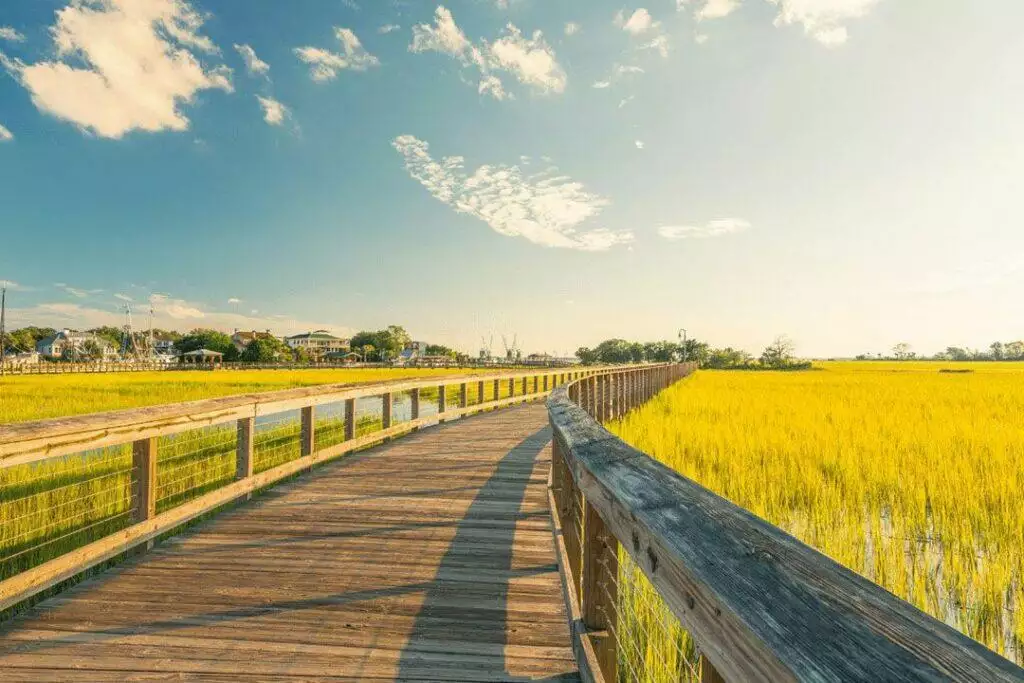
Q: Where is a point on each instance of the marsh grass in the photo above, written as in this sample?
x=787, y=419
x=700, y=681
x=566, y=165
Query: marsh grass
x=908, y=473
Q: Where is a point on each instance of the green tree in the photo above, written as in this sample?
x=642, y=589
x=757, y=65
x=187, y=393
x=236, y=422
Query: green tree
x=26, y=338
x=587, y=355
x=206, y=339
x=265, y=350
x=439, y=350
x=728, y=358
x=778, y=354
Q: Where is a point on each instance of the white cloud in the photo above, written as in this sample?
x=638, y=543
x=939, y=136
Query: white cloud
x=572, y=28
x=123, y=297
x=822, y=19
x=601, y=85
x=530, y=60
x=639, y=144
x=325, y=65
x=123, y=65
x=715, y=228
x=638, y=23
x=253, y=64
x=717, y=9
x=234, y=300
x=623, y=69
x=12, y=34
x=542, y=207
x=388, y=28
x=5, y=135
x=624, y=101
x=700, y=38
x=77, y=292
x=178, y=309
x=274, y=112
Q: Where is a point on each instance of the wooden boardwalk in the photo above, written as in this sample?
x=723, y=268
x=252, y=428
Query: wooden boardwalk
x=430, y=559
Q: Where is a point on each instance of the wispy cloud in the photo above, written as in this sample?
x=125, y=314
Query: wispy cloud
x=716, y=9
x=253, y=64
x=542, y=207
x=601, y=85
x=5, y=135
x=530, y=60
x=715, y=228
x=122, y=297
x=639, y=144
x=572, y=28
x=141, y=85
x=234, y=300
x=388, y=28
x=11, y=34
x=325, y=65
x=77, y=292
x=274, y=112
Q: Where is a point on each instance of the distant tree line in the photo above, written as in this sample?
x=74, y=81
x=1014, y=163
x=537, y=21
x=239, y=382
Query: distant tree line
x=779, y=355
x=997, y=351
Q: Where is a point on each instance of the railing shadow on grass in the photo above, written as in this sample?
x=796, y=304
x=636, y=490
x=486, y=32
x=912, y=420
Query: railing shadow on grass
x=458, y=557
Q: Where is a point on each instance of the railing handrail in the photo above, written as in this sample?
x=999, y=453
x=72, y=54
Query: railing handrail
x=26, y=442
x=760, y=604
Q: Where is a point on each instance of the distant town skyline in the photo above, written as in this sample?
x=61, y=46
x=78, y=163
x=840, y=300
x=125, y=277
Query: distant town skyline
x=846, y=172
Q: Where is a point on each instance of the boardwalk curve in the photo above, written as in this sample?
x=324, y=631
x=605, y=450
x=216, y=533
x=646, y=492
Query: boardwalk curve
x=428, y=558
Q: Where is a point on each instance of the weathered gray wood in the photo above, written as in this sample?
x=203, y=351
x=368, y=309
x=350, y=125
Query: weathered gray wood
x=350, y=419
x=307, y=436
x=599, y=588
x=414, y=404
x=761, y=605
x=386, y=405
x=143, y=479
x=246, y=440
x=463, y=395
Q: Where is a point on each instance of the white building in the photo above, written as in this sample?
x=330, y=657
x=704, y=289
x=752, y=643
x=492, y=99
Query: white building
x=318, y=343
x=72, y=342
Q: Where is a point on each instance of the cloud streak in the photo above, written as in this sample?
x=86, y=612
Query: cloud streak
x=715, y=228
x=253, y=64
x=542, y=207
x=325, y=65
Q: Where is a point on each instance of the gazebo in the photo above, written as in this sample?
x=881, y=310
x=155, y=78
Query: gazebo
x=203, y=357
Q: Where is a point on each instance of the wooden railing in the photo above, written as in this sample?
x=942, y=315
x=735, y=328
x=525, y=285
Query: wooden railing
x=95, y=486
x=758, y=604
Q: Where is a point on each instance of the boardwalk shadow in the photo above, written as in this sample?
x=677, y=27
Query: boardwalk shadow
x=496, y=506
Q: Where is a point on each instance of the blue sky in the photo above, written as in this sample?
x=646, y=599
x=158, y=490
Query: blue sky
x=847, y=172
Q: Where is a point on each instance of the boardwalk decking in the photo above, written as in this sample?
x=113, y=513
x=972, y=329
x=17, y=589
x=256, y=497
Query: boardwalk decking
x=429, y=558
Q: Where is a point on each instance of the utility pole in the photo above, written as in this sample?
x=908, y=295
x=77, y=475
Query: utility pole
x=682, y=338
x=3, y=314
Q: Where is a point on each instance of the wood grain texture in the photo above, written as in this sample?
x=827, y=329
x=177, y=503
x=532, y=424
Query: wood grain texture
x=761, y=605
x=430, y=558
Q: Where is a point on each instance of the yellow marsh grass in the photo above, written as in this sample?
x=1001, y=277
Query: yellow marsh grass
x=911, y=476
x=37, y=397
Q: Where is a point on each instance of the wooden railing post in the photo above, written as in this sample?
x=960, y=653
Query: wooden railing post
x=414, y=404
x=708, y=673
x=599, y=589
x=350, y=419
x=308, y=437
x=511, y=388
x=566, y=496
x=244, y=466
x=497, y=389
x=480, y=391
x=143, y=479
x=463, y=395
x=546, y=378
x=526, y=386
x=386, y=403
x=442, y=400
